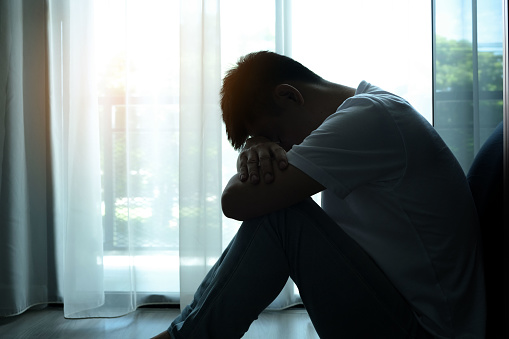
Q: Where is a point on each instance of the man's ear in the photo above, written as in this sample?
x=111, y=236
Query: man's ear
x=285, y=94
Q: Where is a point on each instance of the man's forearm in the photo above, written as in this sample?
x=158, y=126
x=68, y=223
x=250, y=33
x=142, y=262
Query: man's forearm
x=244, y=200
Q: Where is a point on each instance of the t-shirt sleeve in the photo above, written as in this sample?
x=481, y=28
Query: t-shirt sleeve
x=360, y=144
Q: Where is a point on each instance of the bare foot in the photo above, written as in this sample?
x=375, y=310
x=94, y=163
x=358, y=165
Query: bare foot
x=162, y=335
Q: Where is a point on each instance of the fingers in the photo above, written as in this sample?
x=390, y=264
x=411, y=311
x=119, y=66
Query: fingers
x=247, y=166
x=252, y=167
x=265, y=162
x=242, y=167
x=280, y=156
x=256, y=162
x=250, y=162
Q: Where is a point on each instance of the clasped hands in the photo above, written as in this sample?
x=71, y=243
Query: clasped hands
x=257, y=158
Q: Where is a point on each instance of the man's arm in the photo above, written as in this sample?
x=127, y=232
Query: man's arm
x=244, y=200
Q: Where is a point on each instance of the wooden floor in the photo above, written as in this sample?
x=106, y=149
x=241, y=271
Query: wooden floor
x=144, y=323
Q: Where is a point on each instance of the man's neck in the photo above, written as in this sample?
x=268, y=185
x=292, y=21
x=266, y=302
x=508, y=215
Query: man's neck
x=330, y=96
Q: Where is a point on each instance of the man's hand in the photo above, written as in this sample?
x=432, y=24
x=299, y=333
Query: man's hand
x=256, y=160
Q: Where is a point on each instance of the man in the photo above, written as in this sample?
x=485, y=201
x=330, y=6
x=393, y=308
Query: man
x=395, y=251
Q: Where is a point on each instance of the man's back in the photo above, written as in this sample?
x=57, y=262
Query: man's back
x=394, y=187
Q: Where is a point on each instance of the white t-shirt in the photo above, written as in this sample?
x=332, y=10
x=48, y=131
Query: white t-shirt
x=395, y=187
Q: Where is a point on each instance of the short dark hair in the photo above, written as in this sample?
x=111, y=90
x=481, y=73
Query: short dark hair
x=248, y=86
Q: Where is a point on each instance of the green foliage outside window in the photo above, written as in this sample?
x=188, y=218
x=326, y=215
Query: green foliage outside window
x=454, y=116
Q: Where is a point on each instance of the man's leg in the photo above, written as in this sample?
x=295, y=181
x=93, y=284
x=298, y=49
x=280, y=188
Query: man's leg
x=245, y=280
x=344, y=291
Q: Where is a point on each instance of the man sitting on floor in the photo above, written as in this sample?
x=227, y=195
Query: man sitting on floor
x=394, y=251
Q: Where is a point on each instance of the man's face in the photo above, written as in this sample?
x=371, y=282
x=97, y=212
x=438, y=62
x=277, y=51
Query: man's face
x=287, y=128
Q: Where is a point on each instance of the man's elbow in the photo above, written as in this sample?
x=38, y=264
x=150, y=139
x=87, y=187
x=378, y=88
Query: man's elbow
x=230, y=206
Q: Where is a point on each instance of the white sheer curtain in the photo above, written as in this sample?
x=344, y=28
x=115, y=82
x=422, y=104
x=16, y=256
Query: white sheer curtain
x=153, y=138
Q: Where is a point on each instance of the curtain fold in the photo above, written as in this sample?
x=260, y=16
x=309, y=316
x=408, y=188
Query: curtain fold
x=26, y=253
x=200, y=143
x=75, y=155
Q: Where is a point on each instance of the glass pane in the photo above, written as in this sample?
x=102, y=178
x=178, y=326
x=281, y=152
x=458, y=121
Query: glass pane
x=386, y=43
x=468, y=74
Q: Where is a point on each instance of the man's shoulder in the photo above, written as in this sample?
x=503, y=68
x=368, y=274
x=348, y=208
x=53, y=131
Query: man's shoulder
x=368, y=93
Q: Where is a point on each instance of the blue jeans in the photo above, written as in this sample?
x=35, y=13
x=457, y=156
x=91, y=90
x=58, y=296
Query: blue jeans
x=343, y=290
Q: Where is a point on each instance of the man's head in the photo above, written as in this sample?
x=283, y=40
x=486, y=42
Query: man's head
x=248, y=89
